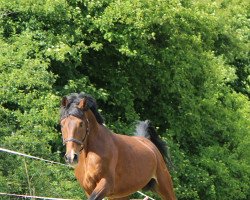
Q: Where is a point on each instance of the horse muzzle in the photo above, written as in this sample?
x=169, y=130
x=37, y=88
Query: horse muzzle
x=71, y=158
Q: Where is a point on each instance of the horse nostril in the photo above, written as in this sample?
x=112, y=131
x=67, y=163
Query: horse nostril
x=66, y=158
x=75, y=159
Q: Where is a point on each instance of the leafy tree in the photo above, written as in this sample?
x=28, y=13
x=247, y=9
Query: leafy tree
x=182, y=64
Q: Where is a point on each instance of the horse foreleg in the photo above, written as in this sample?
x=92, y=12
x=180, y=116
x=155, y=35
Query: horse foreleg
x=101, y=190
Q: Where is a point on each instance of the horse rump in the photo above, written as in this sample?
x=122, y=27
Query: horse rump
x=147, y=130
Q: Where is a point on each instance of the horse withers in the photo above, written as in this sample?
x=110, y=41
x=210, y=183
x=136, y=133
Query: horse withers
x=108, y=164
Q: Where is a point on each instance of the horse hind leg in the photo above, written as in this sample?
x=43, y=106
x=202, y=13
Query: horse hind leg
x=164, y=185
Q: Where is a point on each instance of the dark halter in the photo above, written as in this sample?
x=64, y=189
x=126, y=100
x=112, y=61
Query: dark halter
x=71, y=139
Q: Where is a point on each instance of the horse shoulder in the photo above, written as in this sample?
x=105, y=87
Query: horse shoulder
x=99, y=163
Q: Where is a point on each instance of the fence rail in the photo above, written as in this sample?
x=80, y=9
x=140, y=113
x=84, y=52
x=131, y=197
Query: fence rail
x=32, y=157
x=30, y=197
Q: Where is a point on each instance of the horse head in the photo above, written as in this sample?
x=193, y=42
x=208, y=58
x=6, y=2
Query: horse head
x=74, y=127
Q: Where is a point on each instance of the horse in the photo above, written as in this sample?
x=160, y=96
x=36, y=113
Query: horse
x=107, y=164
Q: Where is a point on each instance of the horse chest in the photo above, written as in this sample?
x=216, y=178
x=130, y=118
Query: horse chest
x=90, y=174
x=89, y=183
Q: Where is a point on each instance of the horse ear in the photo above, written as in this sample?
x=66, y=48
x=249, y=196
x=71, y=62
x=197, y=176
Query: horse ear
x=64, y=101
x=82, y=104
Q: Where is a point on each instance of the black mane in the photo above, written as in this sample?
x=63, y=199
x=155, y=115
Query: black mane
x=71, y=108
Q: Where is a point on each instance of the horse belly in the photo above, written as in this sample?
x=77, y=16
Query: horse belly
x=135, y=168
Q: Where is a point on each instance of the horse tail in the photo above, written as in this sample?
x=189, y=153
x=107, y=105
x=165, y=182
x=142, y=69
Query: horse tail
x=147, y=130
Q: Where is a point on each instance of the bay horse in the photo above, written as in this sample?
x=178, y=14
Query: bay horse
x=108, y=164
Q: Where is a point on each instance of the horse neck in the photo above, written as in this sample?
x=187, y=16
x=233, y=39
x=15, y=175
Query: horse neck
x=95, y=137
x=93, y=124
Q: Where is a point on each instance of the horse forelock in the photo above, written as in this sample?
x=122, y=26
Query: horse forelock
x=72, y=109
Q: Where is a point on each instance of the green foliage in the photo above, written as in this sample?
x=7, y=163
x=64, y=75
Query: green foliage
x=182, y=64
